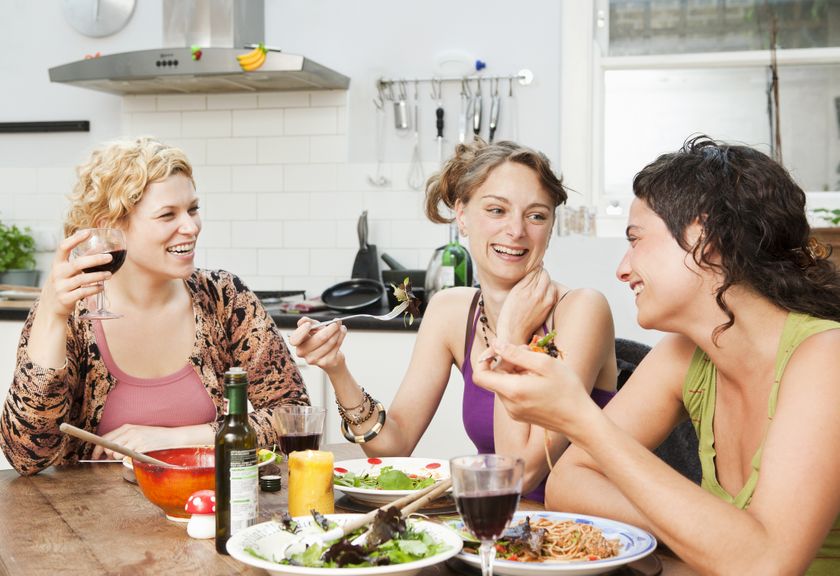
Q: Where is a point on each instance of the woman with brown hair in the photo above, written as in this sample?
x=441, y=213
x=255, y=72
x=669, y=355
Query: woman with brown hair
x=504, y=197
x=720, y=255
x=152, y=378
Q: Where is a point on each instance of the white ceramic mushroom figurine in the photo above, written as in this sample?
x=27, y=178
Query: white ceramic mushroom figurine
x=202, y=506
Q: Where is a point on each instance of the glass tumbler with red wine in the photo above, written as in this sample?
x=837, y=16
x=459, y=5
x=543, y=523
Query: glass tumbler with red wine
x=299, y=427
x=486, y=489
x=102, y=241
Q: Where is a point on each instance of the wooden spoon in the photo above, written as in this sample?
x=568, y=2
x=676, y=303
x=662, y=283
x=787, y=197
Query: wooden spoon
x=91, y=437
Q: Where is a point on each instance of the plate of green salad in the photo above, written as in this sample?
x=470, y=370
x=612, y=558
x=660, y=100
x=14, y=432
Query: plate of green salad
x=414, y=545
x=378, y=481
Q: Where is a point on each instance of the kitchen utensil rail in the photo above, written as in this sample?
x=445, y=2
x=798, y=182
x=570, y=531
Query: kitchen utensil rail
x=524, y=77
x=389, y=316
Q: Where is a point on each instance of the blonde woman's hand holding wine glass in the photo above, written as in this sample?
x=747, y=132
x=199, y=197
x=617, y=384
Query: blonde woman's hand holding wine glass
x=67, y=282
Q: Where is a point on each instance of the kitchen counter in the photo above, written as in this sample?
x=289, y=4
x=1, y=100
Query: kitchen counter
x=11, y=310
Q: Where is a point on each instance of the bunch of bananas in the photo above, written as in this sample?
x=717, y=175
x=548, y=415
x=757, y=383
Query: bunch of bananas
x=253, y=59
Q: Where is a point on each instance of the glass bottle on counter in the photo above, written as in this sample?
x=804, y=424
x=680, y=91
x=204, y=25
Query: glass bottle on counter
x=237, y=478
x=450, y=265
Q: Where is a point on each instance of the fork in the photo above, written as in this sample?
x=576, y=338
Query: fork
x=389, y=316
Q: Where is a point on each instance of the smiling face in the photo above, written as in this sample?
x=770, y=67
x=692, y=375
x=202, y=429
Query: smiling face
x=508, y=221
x=162, y=230
x=663, y=276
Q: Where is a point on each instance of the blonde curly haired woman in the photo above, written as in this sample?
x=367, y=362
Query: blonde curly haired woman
x=152, y=378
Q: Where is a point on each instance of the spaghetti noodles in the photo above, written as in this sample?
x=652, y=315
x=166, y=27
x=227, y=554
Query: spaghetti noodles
x=563, y=540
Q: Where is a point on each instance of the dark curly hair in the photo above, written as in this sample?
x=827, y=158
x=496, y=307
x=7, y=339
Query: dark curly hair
x=472, y=164
x=753, y=218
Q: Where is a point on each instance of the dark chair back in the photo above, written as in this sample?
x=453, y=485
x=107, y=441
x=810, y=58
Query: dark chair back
x=680, y=449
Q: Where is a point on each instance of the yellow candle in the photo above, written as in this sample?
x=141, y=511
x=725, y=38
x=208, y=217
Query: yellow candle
x=311, y=482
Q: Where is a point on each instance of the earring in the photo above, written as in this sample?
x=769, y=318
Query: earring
x=462, y=232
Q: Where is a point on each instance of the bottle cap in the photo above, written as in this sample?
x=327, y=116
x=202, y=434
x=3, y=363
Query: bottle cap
x=270, y=483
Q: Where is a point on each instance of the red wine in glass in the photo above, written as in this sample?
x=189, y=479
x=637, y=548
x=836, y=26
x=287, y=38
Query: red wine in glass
x=118, y=257
x=296, y=442
x=487, y=514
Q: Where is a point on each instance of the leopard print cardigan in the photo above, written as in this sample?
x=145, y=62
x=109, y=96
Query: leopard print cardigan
x=232, y=329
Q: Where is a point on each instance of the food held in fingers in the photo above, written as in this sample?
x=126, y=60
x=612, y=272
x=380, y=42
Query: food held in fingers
x=546, y=345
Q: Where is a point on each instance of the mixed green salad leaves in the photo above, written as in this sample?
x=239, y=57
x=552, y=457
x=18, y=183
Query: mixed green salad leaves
x=389, y=478
x=391, y=541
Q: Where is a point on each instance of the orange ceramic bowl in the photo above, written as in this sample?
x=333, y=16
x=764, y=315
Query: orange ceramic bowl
x=169, y=488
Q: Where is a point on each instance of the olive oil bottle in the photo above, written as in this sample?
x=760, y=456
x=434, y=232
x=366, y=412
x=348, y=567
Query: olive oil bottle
x=237, y=479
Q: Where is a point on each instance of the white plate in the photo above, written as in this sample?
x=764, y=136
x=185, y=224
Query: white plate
x=437, y=468
x=264, y=539
x=635, y=544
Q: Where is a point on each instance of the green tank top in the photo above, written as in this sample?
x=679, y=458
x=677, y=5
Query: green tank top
x=699, y=391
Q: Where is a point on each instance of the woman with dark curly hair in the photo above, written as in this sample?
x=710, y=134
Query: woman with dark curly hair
x=720, y=256
x=504, y=197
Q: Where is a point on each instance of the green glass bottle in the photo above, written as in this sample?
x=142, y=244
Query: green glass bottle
x=456, y=266
x=237, y=479
x=450, y=265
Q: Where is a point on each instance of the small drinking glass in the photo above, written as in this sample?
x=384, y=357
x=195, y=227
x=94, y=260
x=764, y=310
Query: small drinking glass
x=102, y=241
x=299, y=427
x=487, y=489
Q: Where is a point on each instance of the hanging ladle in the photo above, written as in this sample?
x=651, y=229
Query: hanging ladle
x=105, y=443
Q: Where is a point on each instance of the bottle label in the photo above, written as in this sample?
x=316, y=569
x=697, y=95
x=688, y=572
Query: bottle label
x=447, y=276
x=244, y=489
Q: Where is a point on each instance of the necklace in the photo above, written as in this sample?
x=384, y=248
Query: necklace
x=482, y=317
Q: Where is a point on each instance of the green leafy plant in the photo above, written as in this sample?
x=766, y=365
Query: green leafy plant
x=832, y=216
x=17, y=248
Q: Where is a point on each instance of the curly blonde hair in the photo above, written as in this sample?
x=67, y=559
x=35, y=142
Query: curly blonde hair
x=471, y=165
x=115, y=177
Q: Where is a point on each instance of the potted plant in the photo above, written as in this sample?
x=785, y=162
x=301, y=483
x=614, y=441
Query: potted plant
x=17, y=256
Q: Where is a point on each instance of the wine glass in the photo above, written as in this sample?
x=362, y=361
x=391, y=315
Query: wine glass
x=101, y=241
x=487, y=489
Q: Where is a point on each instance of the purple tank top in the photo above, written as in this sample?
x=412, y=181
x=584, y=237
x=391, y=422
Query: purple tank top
x=477, y=408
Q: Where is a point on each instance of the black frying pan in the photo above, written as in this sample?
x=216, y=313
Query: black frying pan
x=353, y=294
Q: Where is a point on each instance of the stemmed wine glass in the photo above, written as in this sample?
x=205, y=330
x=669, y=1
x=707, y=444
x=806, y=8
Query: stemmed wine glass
x=487, y=489
x=101, y=241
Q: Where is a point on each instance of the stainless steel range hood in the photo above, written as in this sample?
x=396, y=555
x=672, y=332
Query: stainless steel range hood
x=210, y=25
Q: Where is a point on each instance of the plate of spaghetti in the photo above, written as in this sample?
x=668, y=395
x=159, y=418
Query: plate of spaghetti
x=560, y=543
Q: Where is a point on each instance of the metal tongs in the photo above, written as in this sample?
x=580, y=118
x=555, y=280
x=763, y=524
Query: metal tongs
x=407, y=505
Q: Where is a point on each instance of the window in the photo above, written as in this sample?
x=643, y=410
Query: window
x=662, y=70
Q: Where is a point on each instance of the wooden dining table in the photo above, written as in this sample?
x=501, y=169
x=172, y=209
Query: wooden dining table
x=87, y=519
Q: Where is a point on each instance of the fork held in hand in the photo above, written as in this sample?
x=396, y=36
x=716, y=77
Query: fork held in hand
x=389, y=316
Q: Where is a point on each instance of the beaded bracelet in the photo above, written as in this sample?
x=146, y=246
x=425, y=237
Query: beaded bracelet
x=365, y=396
x=370, y=434
x=356, y=419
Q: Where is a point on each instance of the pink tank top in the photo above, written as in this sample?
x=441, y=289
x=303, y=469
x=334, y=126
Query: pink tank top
x=179, y=399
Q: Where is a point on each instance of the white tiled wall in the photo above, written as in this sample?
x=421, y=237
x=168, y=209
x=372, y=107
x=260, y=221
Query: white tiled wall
x=279, y=198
